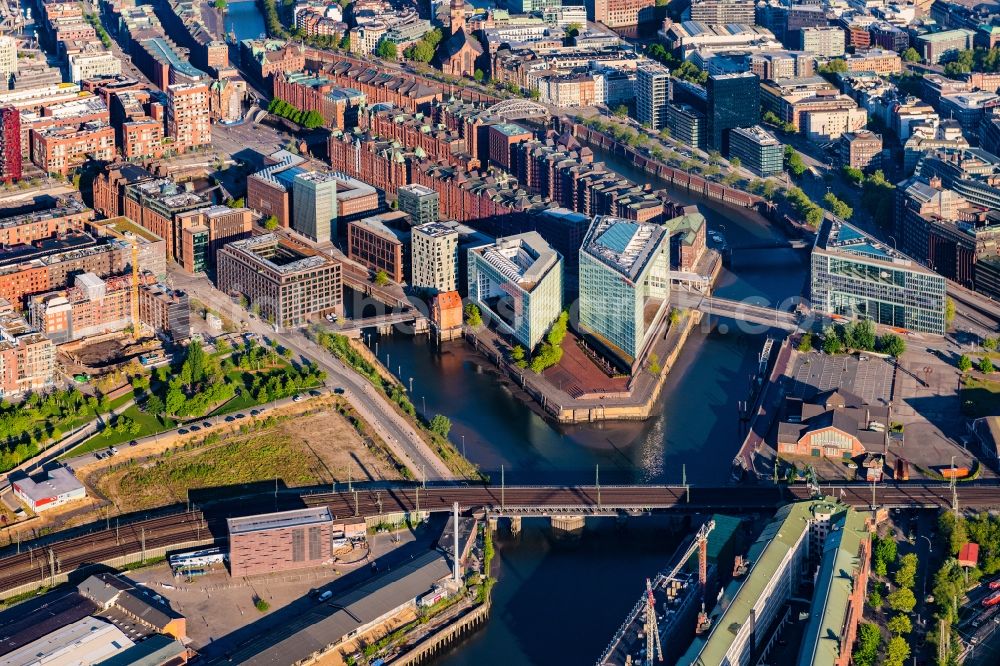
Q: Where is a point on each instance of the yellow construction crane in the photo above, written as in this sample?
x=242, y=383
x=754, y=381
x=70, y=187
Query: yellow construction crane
x=130, y=238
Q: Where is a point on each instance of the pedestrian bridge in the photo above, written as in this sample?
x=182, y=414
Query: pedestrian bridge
x=742, y=311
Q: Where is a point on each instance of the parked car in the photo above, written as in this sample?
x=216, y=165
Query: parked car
x=325, y=596
x=133, y=443
x=297, y=398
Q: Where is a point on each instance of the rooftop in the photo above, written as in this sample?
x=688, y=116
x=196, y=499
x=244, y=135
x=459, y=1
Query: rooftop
x=623, y=245
x=765, y=557
x=331, y=622
x=85, y=641
x=66, y=207
x=127, y=227
x=758, y=135
x=280, y=520
x=822, y=641
x=524, y=259
x=57, y=481
x=839, y=237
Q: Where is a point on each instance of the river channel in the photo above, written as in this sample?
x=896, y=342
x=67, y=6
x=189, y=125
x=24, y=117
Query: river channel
x=560, y=598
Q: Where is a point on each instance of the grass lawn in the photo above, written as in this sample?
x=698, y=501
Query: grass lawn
x=980, y=397
x=244, y=459
x=110, y=437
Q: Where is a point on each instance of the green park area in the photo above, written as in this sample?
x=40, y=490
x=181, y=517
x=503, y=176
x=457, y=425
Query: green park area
x=201, y=384
x=980, y=397
x=40, y=419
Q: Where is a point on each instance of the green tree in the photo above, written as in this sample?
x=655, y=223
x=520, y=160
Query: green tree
x=271, y=223
x=899, y=625
x=573, y=29
x=990, y=343
x=869, y=642
x=896, y=652
x=386, y=50
x=892, y=344
x=986, y=365
x=805, y=342
x=654, y=363
x=441, y=425
x=911, y=55
x=381, y=278
x=964, y=363
x=220, y=5
x=906, y=574
x=832, y=344
x=479, y=75
x=883, y=554
x=837, y=207
x=518, y=355
x=835, y=66
x=902, y=600
x=735, y=162
x=621, y=111
x=422, y=51
x=949, y=310
x=345, y=42
x=875, y=600
x=472, y=315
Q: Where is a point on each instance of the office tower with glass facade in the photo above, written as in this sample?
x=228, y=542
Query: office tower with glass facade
x=855, y=276
x=652, y=94
x=757, y=149
x=624, y=286
x=420, y=202
x=314, y=205
x=733, y=101
x=516, y=282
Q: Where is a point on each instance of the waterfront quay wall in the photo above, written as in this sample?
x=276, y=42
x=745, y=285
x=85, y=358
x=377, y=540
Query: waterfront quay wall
x=635, y=405
x=428, y=648
x=676, y=177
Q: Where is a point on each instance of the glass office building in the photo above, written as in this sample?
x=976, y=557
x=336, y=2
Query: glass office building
x=624, y=286
x=733, y=101
x=314, y=205
x=855, y=276
x=516, y=282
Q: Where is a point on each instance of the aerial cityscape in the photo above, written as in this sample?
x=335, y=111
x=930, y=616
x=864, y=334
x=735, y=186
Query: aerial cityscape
x=605, y=332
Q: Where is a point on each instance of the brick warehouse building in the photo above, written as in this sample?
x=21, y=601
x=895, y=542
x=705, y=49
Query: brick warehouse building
x=283, y=541
x=338, y=105
x=380, y=86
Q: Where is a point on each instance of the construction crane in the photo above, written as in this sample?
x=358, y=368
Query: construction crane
x=652, y=630
x=133, y=242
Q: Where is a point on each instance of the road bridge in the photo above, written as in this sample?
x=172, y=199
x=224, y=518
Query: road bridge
x=741, y=311
x=29, y=565
x=410, y=317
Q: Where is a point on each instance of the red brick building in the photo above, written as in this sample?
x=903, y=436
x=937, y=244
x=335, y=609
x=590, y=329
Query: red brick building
x=379, y=85
x=271, y=542
x=381, y=243
x=62, y=149
x=503, y=138
x=835, y=425
x=109, y=187
x=338, y=105
x=188, y=115
x=11, y=156
x=416, y=132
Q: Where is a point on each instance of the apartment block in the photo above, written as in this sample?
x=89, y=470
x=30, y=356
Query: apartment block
x=62, y=149
x=502, y=138
x=758, y=150
x=154, y=205
x=652, y=94
x=421, y=203
x=11, y=157
x=289, y=282
x=434, y=258
x=825, y=41
x=879, y=61
x=620, y=13
x=204, y=231
x=166, y=311
x=68, y=215
x=381, y=243
x=861, y=150
x=188, y=115
x=92, y=65
x=27, y=358
x=935, y=47
x=721, y=12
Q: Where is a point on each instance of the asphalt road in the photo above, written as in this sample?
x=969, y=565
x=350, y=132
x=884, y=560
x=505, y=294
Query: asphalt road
x=373, y=407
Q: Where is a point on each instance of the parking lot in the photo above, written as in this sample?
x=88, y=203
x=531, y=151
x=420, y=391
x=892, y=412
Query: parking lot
x=870, y=379
x=921, y=390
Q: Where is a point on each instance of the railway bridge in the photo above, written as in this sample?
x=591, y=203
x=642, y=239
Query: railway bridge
x=26, y=566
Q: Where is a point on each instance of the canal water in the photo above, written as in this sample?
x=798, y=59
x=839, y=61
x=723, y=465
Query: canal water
x=244, y=20
x=558, y=601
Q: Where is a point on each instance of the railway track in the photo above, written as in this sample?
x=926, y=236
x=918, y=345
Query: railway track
x=34, y=563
